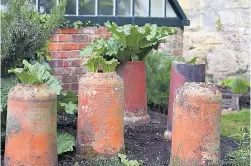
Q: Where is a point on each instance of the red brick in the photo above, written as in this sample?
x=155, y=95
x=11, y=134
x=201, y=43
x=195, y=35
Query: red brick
x=69, y=31
x=101, y=30
x=54, y=38
x=59, y=54
x=74, y=86
x=71, y=46
x=74, y=54
x=56, y=63
x=79, y=70
x=71, y=63
x=88, y=30
x=55, y=47
x=65, y=38
x=81, y=46
x=80, y=38
x=70, y=78
x=66, y=87
x=94, y=37
x=58, y=31
x=178, y=52
x=67, y=70
x=57, y=71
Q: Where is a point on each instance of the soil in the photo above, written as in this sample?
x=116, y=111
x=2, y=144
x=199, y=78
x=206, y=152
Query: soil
x=145, y=143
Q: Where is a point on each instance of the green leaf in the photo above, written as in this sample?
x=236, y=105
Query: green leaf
x=109, y=66
x=6, y=85
x=37, y=74
x=193, y=61
x=69, y=107
x=65, y=142
x=136, y=41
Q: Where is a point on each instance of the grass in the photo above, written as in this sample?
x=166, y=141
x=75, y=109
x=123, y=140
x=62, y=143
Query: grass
x=230, y=123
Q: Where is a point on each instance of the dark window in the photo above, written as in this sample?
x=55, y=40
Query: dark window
x=161, y=12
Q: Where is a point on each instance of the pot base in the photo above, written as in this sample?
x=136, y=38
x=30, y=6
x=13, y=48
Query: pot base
x=134, y=121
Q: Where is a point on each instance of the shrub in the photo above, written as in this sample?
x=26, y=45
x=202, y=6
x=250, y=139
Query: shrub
x=25, y=31
x=158, y=69
x=237, y=84
x=240, y=156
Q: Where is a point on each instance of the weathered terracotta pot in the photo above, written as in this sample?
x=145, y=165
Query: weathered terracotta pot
x=31, y=132
x=100, y=128
x=180, y=74
x=134, y=77
x=196, y=125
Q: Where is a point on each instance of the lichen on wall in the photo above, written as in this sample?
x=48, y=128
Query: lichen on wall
x=219, y=35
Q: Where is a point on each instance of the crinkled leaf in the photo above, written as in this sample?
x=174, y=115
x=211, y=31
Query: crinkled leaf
x=109, y=66
x=69, y=107
x=67, y=97
x=37, y=74
x=137, y=41
x=65, y=142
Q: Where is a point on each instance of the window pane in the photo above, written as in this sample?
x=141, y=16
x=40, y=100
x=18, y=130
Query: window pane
x=105, y=7
x=4, y=4
x=71, y=7
x=169, y=10
x=47, y=5
x=124, y=8
x=157, y=8
x=87, y=7
x=141, y=7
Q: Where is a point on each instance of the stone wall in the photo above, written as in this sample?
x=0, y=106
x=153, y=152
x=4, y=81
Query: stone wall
x=218, y=35
x=65, y=46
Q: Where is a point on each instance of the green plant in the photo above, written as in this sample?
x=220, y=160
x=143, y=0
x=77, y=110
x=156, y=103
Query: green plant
x=95, y=61
x=136, y=42
x=231, y=122
x=26, y=31
x=37, y=74
x=67, y=102
x=158, y=70
x=78, y=24
x=65, y=142
x=127, y=162
x=241, y=156
x=237, y=84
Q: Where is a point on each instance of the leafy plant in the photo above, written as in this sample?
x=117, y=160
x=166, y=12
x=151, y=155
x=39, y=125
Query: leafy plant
x=65, y=142
x=78, y=24
x=127, y=162
x=37, y=74
x=158, y=70
x=241, y=156
x=69, y=107
x=95, y=61
x=237, y=84
x=26, y=31
x=136, y=42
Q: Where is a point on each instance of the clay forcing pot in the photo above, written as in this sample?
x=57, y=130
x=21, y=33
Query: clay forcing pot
x=181, y=73
x=196, y=125
x=134, y=77
x=31, y=132
x=100, y=130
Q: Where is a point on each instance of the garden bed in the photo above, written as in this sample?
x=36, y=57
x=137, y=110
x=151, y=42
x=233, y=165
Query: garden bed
x=143, y=143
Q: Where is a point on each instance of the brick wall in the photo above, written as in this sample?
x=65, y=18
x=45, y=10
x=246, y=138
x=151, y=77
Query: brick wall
x=65, y=46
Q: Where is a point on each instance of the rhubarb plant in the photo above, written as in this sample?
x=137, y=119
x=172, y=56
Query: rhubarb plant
x=107, y=66
x=37, y=74
x=136, y=42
